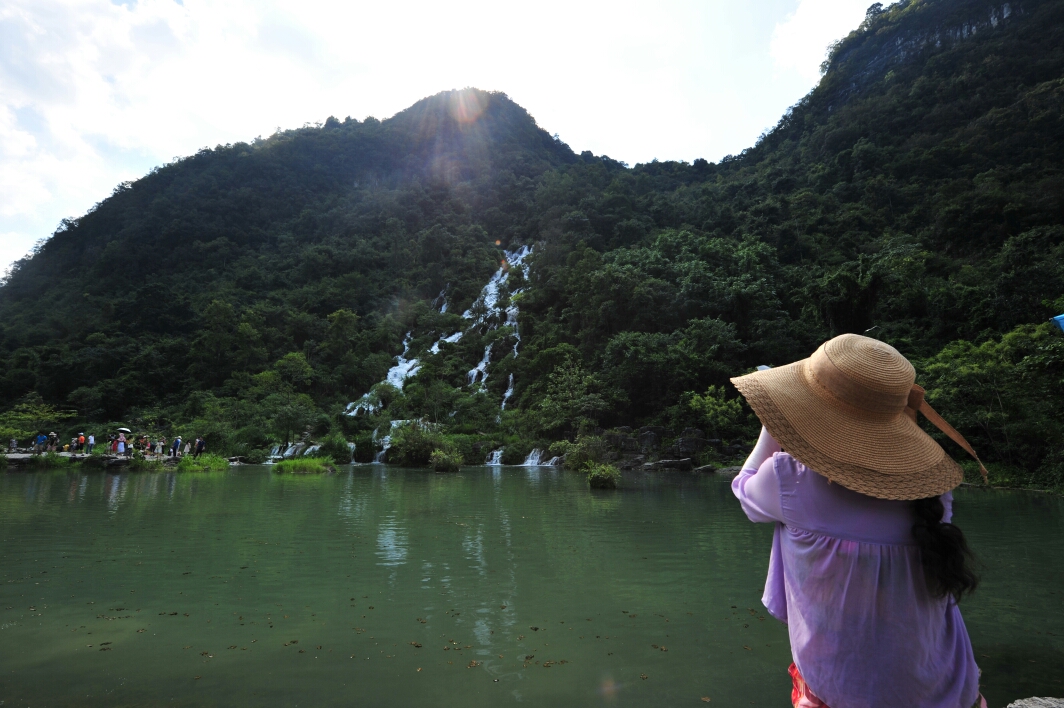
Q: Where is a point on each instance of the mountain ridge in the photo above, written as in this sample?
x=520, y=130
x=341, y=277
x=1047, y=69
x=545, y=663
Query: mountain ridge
x=917, y=196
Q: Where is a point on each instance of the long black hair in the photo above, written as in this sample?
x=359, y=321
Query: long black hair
x=944, y=553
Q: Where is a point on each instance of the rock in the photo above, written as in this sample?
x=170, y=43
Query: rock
x=622, y=441
x=705, y=469
x=624, y=430
x=729, y=471
x=692, y=433
x=648, y=441
x=714, y=442
x=1037, y=703
x=736, y=450
x=684, y=464
x=630, y=463
x=687, y=446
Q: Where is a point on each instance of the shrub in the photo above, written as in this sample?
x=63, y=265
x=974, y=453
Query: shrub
x=335, y=447
x=3, y=460
x=364, y=447
x=445, y=460
x=602, y=476
x=305, y=465
x=206, y=462
x=49, y=460
x=256, y=457
x=137, y=463
x=412, y=445
x=587, y=449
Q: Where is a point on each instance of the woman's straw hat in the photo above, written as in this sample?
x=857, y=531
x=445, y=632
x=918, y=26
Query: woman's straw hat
x=849, y=413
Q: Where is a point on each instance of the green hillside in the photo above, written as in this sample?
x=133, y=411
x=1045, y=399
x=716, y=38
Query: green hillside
x=254, y=291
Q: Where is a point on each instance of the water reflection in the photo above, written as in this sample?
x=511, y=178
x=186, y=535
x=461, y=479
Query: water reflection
x=250, y=559
x=391, y=543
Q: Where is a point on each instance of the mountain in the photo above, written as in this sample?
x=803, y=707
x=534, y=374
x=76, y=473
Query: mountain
x=255, y=290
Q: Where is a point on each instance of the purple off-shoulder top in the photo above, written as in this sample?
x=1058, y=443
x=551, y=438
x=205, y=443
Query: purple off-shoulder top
x=845, y=576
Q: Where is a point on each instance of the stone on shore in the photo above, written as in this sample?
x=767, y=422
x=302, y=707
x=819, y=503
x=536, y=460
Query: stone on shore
x=684, y=464
x=1038, y=703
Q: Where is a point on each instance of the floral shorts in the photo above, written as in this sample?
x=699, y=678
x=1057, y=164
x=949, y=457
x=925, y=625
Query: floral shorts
x=803, y=697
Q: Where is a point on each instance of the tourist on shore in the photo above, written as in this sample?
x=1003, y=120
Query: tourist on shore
x=53, y=441
x=92, y=442
x=12, y=446
x=188, y=448
x=40, y=442
x=160, y=445
x=866, y=569
x=201, y=445
x=175, y=449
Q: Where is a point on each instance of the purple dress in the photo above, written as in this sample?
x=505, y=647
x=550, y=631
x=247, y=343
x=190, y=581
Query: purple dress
x=845, y=577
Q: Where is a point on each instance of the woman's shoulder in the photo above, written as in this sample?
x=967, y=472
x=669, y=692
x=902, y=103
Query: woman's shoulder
x=812, y=502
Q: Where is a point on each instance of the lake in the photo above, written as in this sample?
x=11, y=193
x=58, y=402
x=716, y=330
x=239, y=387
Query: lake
x=382, y=586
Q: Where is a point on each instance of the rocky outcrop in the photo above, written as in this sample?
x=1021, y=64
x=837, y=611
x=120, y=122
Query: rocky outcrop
x=1038, y=703
x=683, y=465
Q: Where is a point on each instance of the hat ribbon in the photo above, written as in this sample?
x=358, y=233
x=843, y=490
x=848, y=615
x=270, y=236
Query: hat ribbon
x=918, y=404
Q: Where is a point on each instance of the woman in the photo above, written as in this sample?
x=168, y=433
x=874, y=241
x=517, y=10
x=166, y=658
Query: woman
x=865, y=568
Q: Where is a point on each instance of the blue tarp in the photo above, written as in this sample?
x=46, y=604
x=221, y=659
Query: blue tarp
x=1059, y=319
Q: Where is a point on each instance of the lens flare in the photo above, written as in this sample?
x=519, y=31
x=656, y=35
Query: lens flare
x=609, y=688
x=466, y=106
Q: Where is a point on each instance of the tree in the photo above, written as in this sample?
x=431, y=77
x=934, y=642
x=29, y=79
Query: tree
x=30, y=416
x=572, y=398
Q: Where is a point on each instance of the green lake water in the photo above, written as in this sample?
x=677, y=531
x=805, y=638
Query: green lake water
x=388, y=587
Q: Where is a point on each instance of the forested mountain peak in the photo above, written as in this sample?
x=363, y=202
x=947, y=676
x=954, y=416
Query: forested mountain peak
x=914, y=195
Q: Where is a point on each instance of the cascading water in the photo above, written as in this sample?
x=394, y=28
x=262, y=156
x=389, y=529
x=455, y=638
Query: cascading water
x=397, y=375
x=495, y=458
x=481, y=369
x=511, y=321
x=484, y=310
x=534, y=458
x=386, y=441
x=404, y=368
x=509, y=392
x=435, y=349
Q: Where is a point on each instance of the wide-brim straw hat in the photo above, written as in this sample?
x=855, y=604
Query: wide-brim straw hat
x=848, y=412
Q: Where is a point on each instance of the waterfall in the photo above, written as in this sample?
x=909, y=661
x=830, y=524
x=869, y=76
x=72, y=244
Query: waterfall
x=509, y=392
x=404, y=368
x=435, y=349
x=511, y=321
x=490, y=313
x=397, y=375
x=441, y=299
x=489, y=296
x=495, y=458
x=311, y=450
x=534, y=458
x=481, y=369
x=386, y=441
x=553, y=462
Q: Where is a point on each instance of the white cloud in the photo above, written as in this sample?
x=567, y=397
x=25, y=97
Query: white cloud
x=95, y=93
x=800, y=42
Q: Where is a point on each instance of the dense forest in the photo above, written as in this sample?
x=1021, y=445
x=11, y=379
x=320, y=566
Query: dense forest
x=258, y=292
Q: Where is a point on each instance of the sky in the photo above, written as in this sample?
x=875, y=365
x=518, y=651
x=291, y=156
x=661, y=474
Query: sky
x=97, y=92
